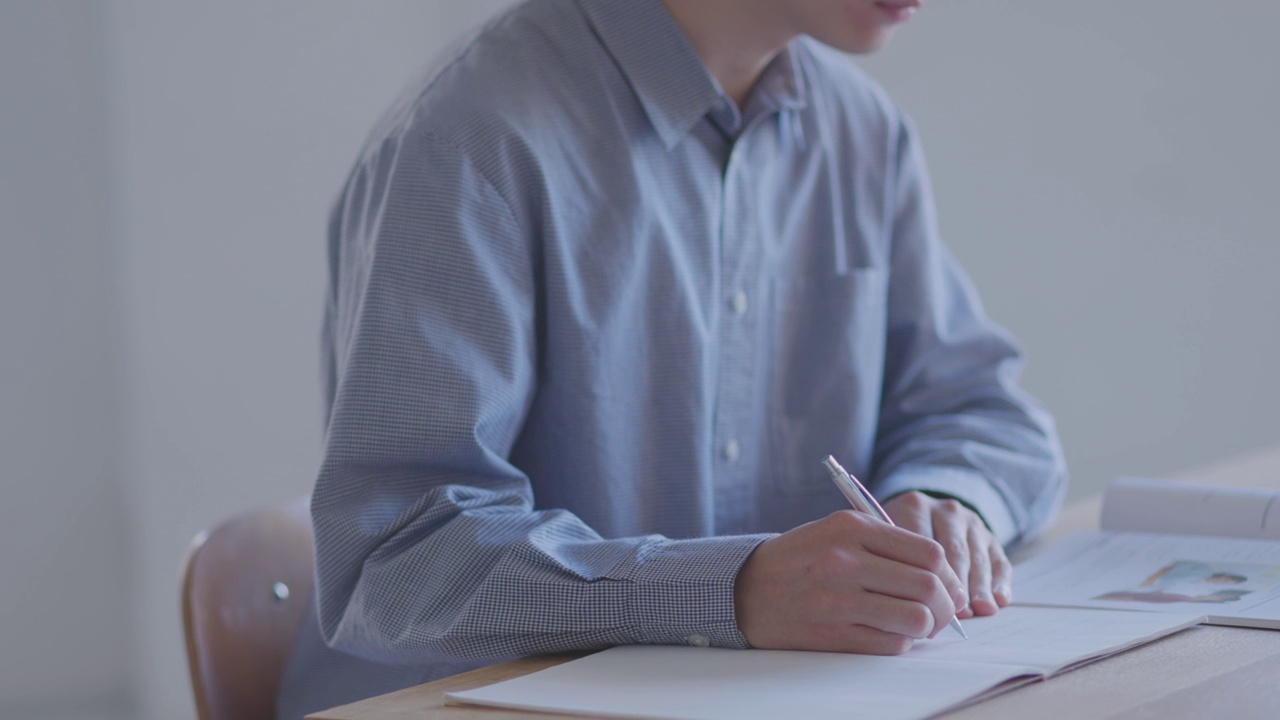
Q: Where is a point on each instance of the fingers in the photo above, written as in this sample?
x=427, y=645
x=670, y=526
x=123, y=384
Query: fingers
x=910, y=548
x=981, y=599
x=912, y=511
x=903, y=565
x=971, y=550
x=861, y=639
x=872, y=641
x=1001, y=575
x=901, y=599
x=953, y=531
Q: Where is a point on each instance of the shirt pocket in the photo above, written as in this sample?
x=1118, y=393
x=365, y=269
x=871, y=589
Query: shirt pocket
x=829, y=366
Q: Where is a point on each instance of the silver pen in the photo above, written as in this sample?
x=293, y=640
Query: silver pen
x=863, y=501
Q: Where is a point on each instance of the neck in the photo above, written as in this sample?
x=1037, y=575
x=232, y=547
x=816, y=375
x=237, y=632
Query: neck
x=735, y=39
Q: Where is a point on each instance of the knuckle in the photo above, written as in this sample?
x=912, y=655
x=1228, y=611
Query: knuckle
x=934, y=554
x=831, y=561
x=928, y=585
x=918, y=620
x=951, y=505
x=955, y=547
x=1000, y=563
x=853, y=563
x=914, y=500
x=983, y=556
x=845, y=520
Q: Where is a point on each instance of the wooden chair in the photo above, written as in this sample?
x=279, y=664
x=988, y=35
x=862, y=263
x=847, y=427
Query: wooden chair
x=245, y=585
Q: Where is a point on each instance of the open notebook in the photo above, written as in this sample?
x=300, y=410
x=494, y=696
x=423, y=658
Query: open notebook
x=1016, y=646
x=1169, y=547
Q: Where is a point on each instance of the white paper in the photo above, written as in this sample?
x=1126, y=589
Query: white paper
x=683, y=683
x=1156, y=506
x=1049, y=639
x=1234, y=582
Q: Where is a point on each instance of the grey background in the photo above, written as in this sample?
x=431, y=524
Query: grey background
x=1106, y=173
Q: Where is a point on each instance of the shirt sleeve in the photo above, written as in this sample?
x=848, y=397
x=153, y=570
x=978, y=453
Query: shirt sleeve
x=428, y=541
x=953, y=420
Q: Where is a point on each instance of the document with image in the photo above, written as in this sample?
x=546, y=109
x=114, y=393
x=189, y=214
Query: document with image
x=1169, y=547
x=1007, y=650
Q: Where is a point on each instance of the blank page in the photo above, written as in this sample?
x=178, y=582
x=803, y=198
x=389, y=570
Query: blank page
x=655, y=681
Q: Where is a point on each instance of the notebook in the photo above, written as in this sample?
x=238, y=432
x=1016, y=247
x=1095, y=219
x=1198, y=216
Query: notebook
x=1014, y=647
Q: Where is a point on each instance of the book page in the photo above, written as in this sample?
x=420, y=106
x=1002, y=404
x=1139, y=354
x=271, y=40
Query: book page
x=1234, y=582
x=655, y=681
x=1159, y=506
x=647, y=681
x=1050, y=639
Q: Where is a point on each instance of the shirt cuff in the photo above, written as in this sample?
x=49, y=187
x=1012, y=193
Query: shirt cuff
x=967, y=486
x=682, y=592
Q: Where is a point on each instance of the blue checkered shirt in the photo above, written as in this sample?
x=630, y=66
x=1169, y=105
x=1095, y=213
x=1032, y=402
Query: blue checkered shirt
x=592, y=328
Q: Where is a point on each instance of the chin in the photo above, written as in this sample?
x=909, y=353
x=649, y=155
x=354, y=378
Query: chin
x=856, y=43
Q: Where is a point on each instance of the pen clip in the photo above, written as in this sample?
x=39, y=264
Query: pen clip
x=854, y=491
x=871, y=500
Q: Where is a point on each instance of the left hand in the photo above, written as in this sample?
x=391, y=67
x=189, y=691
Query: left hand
x=972, y=551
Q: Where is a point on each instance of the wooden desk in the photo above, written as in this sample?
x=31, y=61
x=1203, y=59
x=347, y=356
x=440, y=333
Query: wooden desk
x=1204, y=672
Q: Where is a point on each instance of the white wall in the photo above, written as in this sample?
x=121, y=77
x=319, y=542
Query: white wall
x=233, y=127
x=1105, y=174
x=63, y=570
x=1108, y=175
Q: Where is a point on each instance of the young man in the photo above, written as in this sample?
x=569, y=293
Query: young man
x=605, y=290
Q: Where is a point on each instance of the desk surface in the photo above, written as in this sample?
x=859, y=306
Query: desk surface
x=1205, y=672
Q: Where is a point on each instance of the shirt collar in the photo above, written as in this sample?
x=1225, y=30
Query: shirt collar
x=666, y=73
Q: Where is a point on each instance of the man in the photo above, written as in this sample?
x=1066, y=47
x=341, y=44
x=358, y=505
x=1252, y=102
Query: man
x=605, y=290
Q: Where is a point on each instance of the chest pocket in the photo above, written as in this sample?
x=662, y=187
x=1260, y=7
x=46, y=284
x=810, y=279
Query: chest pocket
x=830, y=345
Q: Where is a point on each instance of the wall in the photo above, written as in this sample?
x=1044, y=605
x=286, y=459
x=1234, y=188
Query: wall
x=1107, y=174
x=233, y=127
x=63, y=569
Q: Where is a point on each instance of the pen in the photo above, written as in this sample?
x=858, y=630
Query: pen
x=863, y=501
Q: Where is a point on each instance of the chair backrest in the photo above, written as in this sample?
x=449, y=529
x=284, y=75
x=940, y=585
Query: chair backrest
x=245, y=585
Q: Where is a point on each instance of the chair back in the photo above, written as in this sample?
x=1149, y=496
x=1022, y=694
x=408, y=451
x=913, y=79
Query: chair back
x=245, y=585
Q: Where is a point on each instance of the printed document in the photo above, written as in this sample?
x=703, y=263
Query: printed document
x=1169, y=547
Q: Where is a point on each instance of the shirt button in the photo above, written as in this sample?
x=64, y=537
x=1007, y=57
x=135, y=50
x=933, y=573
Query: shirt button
x=738, y=303
x=732, y=451
x=699, y=640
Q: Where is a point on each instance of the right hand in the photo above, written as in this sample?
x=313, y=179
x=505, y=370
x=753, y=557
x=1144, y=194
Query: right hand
x=846, y=583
